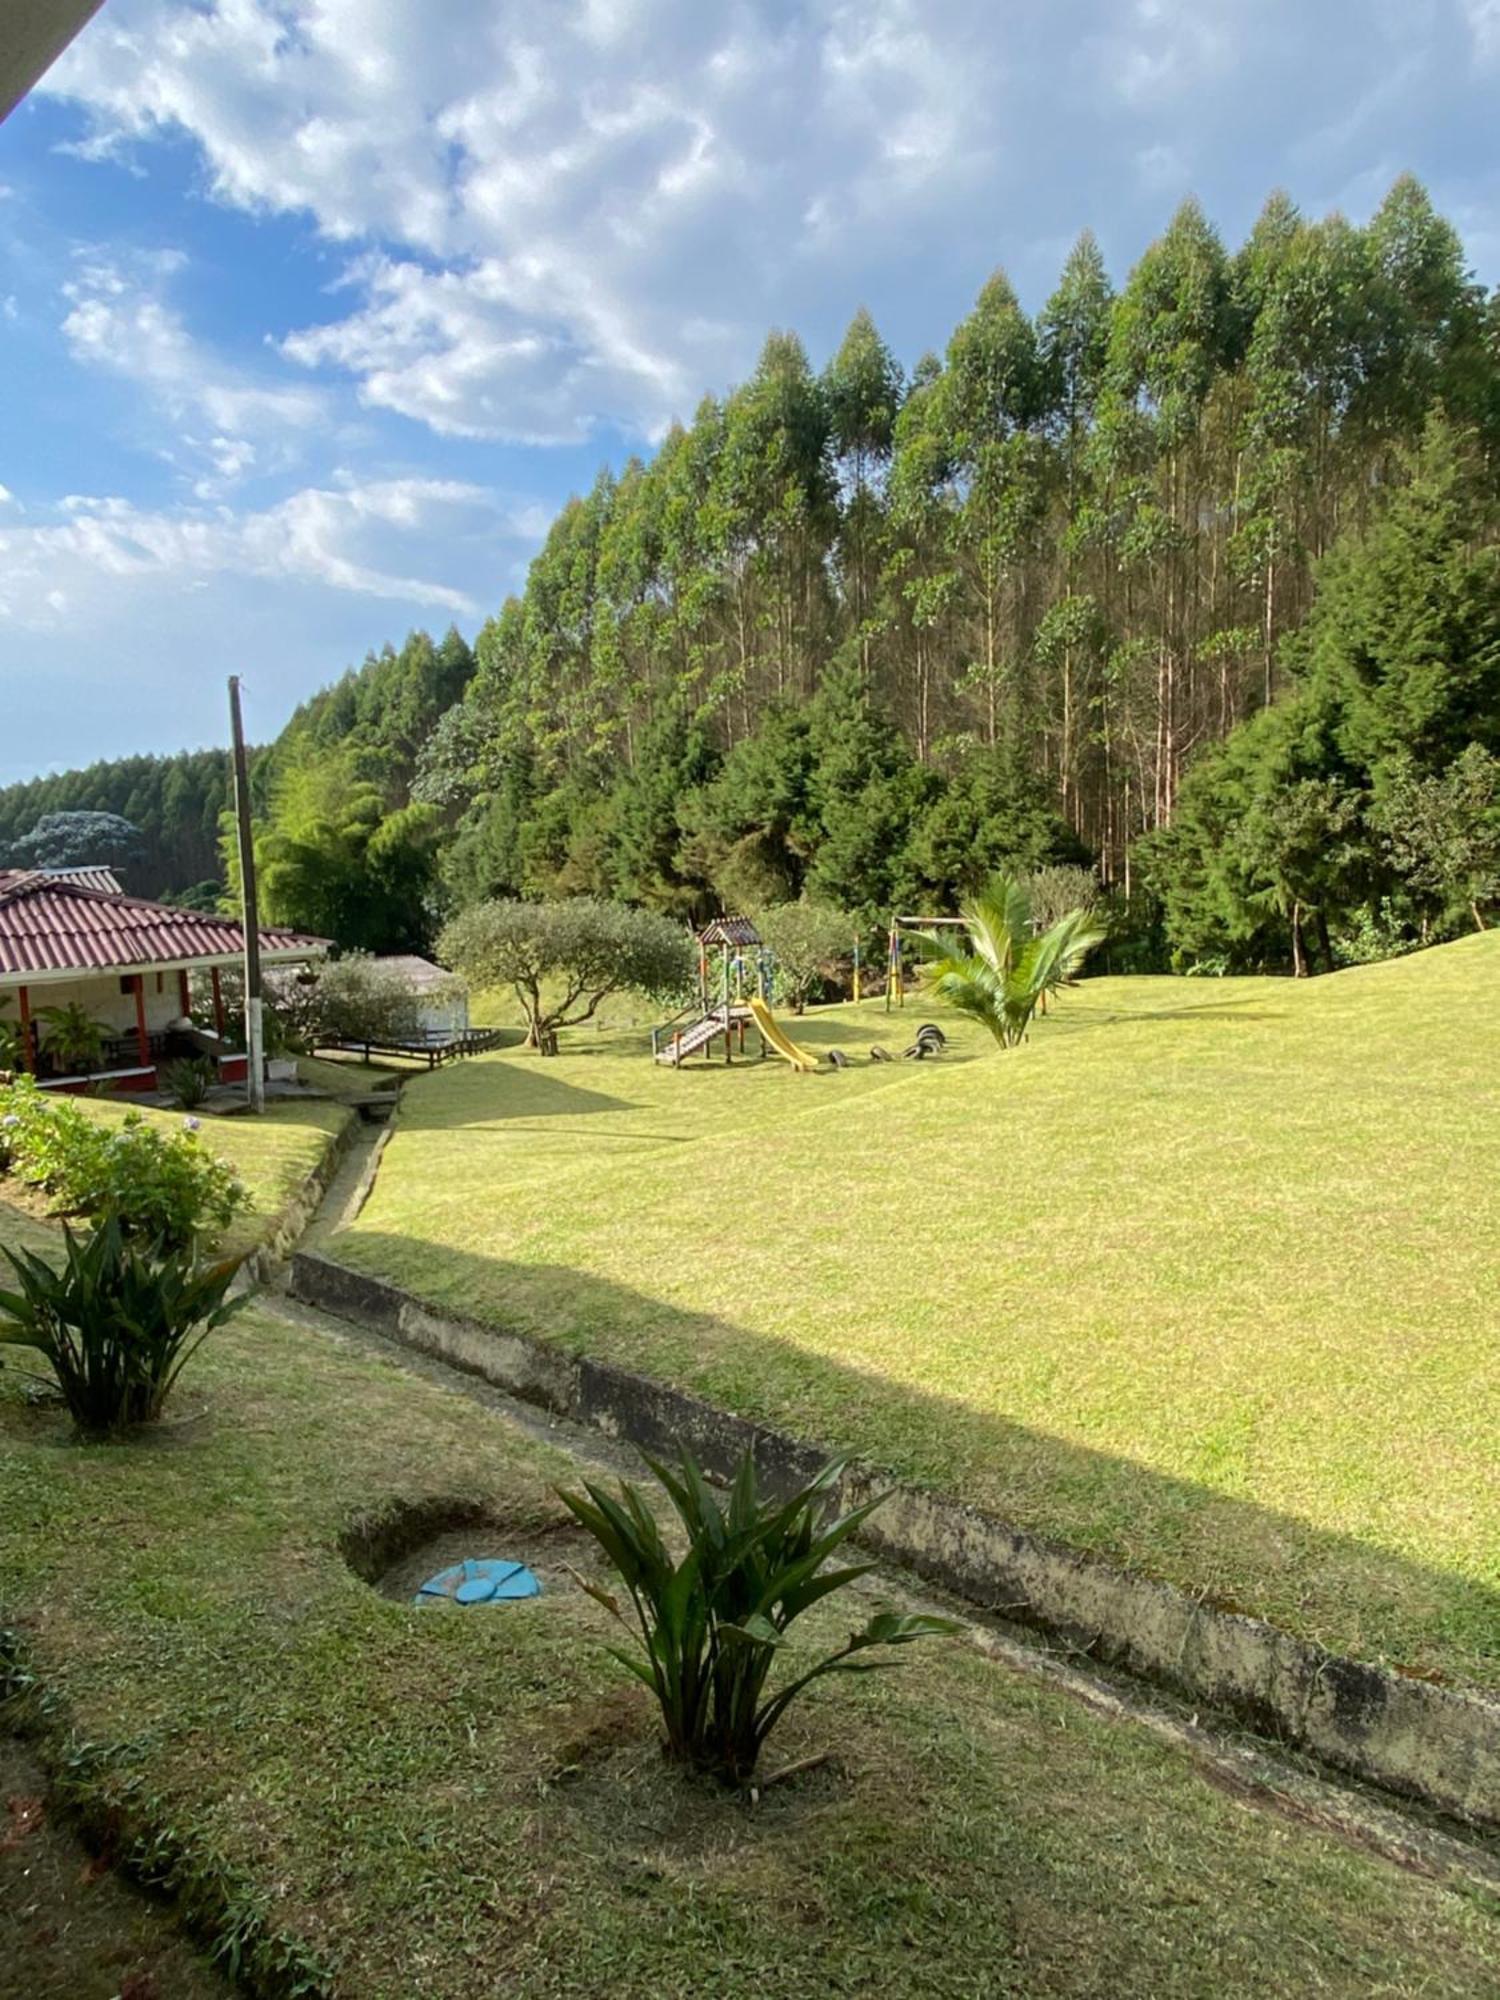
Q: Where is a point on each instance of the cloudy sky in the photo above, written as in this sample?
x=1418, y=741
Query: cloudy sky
x=311, y=311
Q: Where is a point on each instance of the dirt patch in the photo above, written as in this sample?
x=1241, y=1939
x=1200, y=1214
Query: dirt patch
x=70, y=1929
x=397, y=1550
x=611, y=1771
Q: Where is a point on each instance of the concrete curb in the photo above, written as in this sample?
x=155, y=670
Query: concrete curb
x=298, y=1210
x=1436, y=1744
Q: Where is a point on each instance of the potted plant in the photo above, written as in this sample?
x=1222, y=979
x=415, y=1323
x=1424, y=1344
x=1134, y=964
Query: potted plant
x=75, y=1041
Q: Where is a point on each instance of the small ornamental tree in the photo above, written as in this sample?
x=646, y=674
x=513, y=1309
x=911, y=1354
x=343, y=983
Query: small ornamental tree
x=563, y=959
x=809, y=942
x=349, y=999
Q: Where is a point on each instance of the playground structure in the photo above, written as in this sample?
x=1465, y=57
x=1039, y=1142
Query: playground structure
x=773, y=1035
x=734, y=987
x=734, y=983
x=733, y=963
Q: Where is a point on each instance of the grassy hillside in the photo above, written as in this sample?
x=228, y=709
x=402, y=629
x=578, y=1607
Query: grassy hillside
x=458, y=1804
x=1202, y=1278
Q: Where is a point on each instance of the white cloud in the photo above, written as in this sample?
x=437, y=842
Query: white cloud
x=1483, y=17
x=119, y=320
x=344, y=537
x=545, y=201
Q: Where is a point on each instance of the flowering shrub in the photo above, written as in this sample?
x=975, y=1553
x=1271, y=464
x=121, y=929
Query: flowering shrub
x=165, y=1186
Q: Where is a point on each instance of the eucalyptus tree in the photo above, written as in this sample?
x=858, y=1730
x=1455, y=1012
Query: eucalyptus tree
x=862, y=391
x=992, y=403
x=920, y=583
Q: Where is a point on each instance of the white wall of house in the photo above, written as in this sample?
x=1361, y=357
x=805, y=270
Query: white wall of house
x=443, y=1015
x=101, y=999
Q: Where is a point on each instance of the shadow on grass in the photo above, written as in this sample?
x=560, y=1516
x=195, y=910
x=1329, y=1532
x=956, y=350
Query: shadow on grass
x=1352, y=1596
x=495, y=1093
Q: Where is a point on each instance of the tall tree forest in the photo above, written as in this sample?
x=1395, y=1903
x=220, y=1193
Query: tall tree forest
x=173, y=806
x=1191, y=579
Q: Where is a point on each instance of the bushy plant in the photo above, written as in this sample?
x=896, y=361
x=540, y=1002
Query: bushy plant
x=713, y=1625
x=163, y=1186
x=1056, y=891
x=810, y=942
x=189, y=1080
x=116, y=1323
x=74, y=1040
x=350, y=999
x=40, y=1135
x=12, y=1043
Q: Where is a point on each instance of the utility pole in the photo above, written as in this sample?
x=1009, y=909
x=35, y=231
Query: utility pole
x=255, y=1066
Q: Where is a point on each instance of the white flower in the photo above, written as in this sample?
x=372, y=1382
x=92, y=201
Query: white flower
x=191, y=1124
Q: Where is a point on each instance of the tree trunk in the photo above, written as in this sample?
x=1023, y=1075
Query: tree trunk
x=1325, y=942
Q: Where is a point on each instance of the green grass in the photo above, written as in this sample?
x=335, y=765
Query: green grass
x=454, y=1804
x=347, y=1076
x=1202, y=1278
x=273, y=1155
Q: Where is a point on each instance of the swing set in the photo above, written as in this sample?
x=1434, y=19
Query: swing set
x=895, y=968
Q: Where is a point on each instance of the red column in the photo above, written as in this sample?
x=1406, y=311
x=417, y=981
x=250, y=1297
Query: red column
x=218, y=1003
x=142, y=1039
x=184, y=992
x=28, y=1060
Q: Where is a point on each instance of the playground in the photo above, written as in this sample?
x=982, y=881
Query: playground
x=737, y=976
x=1120, y=1285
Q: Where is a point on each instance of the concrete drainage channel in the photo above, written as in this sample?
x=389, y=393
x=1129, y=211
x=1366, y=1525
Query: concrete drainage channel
x=1433, y=1744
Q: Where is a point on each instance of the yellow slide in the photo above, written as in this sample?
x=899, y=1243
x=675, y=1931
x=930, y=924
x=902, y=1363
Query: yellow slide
x=778, y=1038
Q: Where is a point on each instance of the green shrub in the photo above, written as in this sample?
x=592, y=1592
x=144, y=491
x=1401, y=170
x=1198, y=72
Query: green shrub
x=189, y=1080
x=810, y=942
x=117, y=1323
x=160, y=1185
x=41, y=1135
x=713, y=1624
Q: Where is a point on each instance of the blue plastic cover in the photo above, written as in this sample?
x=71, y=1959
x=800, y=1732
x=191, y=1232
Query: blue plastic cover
x=482, y=1580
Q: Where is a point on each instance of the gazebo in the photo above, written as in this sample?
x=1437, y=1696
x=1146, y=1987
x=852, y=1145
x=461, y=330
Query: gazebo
x=127, y=965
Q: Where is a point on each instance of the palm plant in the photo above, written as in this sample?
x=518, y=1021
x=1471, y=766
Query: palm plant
x=1007, y=971
x=712, y=1626
x=12, y=1043
x=116, y=1322
x=75, y=1040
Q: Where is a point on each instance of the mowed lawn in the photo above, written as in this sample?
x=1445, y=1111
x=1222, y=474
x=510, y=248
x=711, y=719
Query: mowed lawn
x=453, y=1804
x=1204, y=1278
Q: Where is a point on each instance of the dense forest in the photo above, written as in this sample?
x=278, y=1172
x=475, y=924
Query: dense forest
x=173, y=806
x=1194, y=582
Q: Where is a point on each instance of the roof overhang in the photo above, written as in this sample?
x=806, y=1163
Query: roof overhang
x=80, y=975
x=35, y=34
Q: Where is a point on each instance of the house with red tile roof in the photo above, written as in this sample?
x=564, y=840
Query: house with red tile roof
x=127, y=964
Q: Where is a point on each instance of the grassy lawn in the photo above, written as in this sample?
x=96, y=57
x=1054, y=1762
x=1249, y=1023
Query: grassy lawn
x=273, y=1156
x=457, y=1804
x=1202, y=1278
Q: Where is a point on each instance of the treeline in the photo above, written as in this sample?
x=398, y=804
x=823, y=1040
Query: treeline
x=342, y=849
x=172, y=803
x=1193, y=582
x=844, y=628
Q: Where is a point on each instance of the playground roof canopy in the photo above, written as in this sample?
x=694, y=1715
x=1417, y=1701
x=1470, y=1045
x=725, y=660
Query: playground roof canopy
x=737, y=931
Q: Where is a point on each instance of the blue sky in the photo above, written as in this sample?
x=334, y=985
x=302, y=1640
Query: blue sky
x=312, y=311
